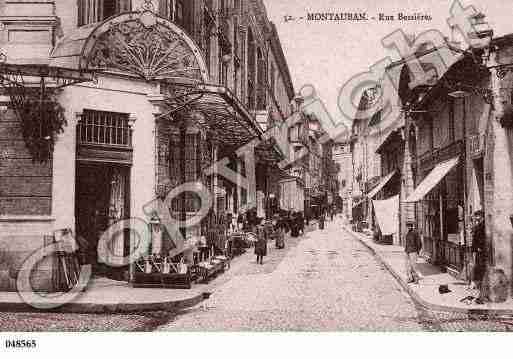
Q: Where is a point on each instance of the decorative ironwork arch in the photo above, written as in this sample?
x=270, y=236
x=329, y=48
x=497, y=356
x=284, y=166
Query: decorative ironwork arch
x=145, y=45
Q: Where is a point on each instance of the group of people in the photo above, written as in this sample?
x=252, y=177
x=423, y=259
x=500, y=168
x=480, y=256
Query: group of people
x=292, y=222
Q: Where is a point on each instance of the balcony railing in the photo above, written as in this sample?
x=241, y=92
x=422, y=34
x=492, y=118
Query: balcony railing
x=431, y=158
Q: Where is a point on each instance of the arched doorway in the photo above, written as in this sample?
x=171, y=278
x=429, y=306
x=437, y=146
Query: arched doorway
x=143, y=48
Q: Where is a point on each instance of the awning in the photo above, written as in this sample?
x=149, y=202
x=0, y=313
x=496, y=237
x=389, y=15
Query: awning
x=387, y=215
x=432, y=179
x=393, y=135
x=380, y=185
x=216, y=109
x=14, y=75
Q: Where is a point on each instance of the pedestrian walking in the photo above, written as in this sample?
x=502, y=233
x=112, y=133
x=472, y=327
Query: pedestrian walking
x=412, y=249
x=281, y=228
x=294, y=225
x=260, y=245
x=240, y=221
x=478, y=250
x=321, y=220
x=301, y=222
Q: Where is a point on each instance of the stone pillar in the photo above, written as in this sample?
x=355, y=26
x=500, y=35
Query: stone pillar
x=499, y=186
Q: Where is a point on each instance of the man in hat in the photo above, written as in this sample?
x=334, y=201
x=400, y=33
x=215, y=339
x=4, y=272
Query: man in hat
x=478, y=249
x=412, y=248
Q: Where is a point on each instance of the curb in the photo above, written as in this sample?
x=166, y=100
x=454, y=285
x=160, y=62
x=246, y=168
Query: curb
x=417, y=298
x=102, y=308
x=112, y=308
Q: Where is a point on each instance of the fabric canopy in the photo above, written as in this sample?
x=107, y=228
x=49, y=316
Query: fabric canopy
x=380, y=185
x=432, y=179
x=387, y=215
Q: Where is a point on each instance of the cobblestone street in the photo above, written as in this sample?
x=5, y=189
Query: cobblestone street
x=324, y=281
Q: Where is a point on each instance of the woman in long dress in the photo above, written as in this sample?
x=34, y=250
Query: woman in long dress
x=294, y=229
x=260, y=245
x=281, y=228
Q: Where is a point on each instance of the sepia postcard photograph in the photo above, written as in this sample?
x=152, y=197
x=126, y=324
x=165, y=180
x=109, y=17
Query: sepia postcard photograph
x=254, y=166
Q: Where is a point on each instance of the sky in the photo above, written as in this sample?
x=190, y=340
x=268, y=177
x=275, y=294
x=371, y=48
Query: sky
x=326, y=54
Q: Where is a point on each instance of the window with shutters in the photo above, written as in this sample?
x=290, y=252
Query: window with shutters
x=251, y=70
x=261, y=81
x=91, y=11
x=272, y=76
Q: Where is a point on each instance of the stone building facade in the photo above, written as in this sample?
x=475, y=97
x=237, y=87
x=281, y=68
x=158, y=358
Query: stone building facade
x=156, y=92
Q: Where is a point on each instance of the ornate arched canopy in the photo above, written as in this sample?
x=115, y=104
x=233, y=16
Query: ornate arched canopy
x=140, y=44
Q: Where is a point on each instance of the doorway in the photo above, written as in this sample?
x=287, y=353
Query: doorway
x=102, y=199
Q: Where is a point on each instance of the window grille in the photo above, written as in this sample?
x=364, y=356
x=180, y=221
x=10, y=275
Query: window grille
x=104, y=128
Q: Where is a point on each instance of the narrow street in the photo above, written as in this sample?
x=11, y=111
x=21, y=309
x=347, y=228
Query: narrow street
x=326, y=281
x=323, y=281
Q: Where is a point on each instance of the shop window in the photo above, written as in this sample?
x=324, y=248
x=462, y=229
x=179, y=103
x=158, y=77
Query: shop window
x=91, y=11
x=185, y=169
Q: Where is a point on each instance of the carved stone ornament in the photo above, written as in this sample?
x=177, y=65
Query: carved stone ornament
x=146, y=47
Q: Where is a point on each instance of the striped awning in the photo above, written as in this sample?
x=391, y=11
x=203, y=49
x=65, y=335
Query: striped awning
x=432, y=179
x=380, y=185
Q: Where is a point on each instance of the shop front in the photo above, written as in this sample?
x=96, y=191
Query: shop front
x=148, y=123
x=385, y=213
x=440, y=213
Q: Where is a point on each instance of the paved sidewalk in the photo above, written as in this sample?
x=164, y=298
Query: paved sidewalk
x=426, y=292
x=104, y=295
x=108, y=296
